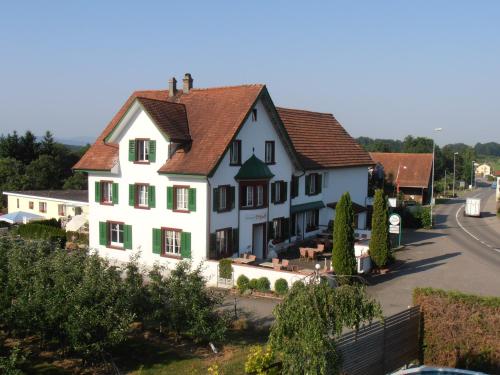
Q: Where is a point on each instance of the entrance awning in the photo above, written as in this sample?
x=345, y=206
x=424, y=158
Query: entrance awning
x=356, y=207
x=307, y=206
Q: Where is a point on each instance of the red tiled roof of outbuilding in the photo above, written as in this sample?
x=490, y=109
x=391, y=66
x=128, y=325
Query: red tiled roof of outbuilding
x=414, y=169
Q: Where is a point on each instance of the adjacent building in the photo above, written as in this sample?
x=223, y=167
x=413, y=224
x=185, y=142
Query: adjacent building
x=483, y=170
x=406, y=173
x=208, y=173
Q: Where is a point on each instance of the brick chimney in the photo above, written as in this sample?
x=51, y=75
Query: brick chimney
x=172, y=87
x=187, y=83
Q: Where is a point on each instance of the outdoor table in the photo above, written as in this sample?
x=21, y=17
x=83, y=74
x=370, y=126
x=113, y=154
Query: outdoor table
x=243, y=260
x=267, y=264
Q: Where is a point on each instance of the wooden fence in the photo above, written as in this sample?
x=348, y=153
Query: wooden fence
x=382, y=347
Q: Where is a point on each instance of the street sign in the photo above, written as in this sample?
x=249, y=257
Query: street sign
x=393, y=202
x=394, y=229
x=394, y=219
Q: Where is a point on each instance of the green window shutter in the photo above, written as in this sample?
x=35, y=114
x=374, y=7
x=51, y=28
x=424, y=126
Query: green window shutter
x=151, y=196
x=308, y=183
x=232, y=192
x=273, y=192
x=103, y=233
x=127, y=236
x=215, y=207
x=131, y=195
x=156, y=241
x=98, y=191
x=319, y=183
x=186, y=245
x=115, y=193
x=131, y=150
x=152, y=151
x=170, y=197
x=192, y=199
x=236, y=241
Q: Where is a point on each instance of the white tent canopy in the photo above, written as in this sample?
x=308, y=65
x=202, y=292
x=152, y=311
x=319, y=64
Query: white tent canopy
x=20, y=217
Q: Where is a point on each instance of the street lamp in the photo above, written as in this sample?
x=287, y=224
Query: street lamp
x=432, y=181
x=454, y=155
x=472, y=174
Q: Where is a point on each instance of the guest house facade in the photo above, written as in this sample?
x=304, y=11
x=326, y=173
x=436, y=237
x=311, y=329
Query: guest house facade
x=208, y=173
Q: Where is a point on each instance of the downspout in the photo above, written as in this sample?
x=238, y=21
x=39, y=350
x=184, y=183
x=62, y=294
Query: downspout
x=209, y=204
x=290, y=211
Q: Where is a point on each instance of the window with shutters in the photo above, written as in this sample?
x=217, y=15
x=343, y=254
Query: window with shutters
x=269, y=156
x=106, y=192
x=142, y=150
x=223, y=243
x=171, y=241
x=142, y=195
x=235, y=153
x=278, y=228
x=116, y=235
x=222, y=198
x=277, y=191
x=312, y=220
x=313, y=183
x=181, y=198
x=42, y=206
x=253, y=195
x=294, y=188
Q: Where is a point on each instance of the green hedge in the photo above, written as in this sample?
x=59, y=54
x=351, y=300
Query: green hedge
x=281, y=287
x=459, y=330
x=37, y=231
x=242, y=283
x=77, y=237
x=263, y=284
x=225, y=268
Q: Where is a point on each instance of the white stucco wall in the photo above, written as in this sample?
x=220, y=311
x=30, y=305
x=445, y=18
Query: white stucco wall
x=144, y=220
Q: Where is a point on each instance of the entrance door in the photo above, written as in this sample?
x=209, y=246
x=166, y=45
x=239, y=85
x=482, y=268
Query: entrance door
x=258, y=240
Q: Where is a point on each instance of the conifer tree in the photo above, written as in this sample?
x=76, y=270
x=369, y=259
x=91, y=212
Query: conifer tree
x=380, y=241
x=343, y=258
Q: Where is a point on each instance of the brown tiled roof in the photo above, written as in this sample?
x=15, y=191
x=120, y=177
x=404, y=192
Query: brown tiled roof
x=497, y=173
x=416, y=174
x=320, y=140
x=214, y=116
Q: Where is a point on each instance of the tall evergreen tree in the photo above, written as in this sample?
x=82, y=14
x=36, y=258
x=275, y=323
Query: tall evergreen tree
x=380, y=242
x=343, y=258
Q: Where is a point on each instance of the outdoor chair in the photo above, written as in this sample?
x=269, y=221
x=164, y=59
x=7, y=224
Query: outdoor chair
x=303, y=253
x=311, y=254
x=276, y=261
x=277, y=266
x=321, y=247
x=286, y=264
x=252, y=257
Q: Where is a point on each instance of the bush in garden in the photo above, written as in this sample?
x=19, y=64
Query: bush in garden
x=252, y=284
x=426, y=217
x=242, y=283
x=343, y=259
x=50, y=223
x=36, y=231
x=135, y=289
x=259, y=360
x=225, y=268
x=380, y=240
x=281, y=286
x=263, y=284
x=10, y=365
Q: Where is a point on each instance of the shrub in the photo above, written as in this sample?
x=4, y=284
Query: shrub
x=225, y=268
x=50, y=223
x=281, y=286
x=242, y=283
x=10, y=365
x=426, y=217
x=252, y=284
x=263, y=284
x=459, y=330
x=259, y=361
x=37, y=231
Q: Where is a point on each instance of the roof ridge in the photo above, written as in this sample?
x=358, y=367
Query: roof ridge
x=402, y=153
x=305, y=111
x=227, y=87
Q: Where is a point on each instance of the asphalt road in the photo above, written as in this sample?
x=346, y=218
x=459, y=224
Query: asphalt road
x=460, y=253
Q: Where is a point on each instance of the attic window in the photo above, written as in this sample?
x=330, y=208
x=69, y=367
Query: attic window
x=254, y=114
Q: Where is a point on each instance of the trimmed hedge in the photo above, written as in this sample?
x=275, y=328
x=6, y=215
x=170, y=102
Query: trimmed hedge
x=242, y=283
x=49, y=222
x=281, y=286
x=252, y=284
x=225, y=268
x=263, y=284
x=37, y=231
x=460, y=330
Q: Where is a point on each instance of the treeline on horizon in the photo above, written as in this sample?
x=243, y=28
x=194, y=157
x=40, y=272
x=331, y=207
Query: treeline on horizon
x=480, y=152
x=31, y=163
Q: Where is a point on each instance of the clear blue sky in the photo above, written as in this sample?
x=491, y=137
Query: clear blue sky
x=383, y=68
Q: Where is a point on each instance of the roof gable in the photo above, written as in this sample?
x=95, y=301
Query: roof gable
x=414, y=169
x=320, y=141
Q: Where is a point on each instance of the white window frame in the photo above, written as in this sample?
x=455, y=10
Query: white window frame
x=142, y=150
x=249, y=196
x=325, y=179
x=221, y=237
x=234, y=153
x=277, y=228
x=44, y=205
x=222, y=198
x=311, y=218
x=107, y=192
x=171, y=242
x=142, y=195
x=269, y=152
x=260, y=195
x=117, y=230
x=277, y=192
x=312, y=184
x=182, y=198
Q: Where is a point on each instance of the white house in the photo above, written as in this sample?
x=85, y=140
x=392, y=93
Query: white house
x=206, y=173
x=483, y=170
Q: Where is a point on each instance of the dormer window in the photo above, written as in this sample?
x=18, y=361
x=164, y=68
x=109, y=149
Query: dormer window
x=235, y=153
x=254, y=114
x=142, y=151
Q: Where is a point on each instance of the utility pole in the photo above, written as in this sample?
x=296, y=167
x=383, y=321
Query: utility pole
x=445, y=183
x=472, y=174
x=454, y=155
x=432, y=181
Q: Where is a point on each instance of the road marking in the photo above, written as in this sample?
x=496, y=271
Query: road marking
x=470, y=234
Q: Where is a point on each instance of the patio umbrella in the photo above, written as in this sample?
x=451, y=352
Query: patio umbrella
x=19, y=217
